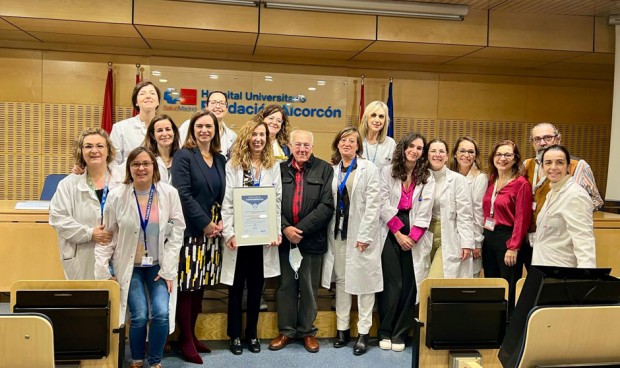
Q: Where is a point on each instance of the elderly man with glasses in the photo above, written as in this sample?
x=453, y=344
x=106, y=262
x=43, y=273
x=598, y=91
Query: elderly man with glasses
x=542, y=136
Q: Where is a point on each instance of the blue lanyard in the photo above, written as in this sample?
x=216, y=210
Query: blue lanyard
x=103, y=199
x=145, y=221
x=255, y=181
x=368, y=152
x=104, y=196
x=343, y=182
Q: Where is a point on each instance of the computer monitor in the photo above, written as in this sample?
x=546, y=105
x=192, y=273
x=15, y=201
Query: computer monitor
x=80, y=319
x=466, y=318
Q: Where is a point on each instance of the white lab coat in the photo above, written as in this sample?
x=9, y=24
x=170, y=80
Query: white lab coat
x=363, y=273
x=126, y=135
x=564, y=229
x=74, y=212
x=420, y=215
x=380, y=154
x=271, y=259
x=121, y=217
x=478, y=187
x=457, y=226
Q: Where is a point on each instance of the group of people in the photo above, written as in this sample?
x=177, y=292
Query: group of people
x=152, y=207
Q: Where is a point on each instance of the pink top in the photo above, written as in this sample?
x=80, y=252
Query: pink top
x=513, y=207
x=405, y=203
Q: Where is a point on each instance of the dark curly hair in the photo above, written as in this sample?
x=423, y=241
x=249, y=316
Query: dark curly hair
x=420, y=172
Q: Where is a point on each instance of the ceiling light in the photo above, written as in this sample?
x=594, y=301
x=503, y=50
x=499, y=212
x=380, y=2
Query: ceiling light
x=163, y=81
x=213, y=76
x=384, y=7
x=311, y=88
x=156, y=73
x=320, y=83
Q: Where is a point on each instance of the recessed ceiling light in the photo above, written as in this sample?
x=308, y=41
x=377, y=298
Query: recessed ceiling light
x=320, y=82
x=311, y=88
x=156, y=73
x=214, y=76
x=163, y=81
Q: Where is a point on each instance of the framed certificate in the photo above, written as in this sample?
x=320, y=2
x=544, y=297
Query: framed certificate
x=255, y=215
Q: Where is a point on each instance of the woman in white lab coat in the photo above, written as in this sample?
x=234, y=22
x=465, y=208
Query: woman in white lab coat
x=251, y=164
x=146, y=220
x=76, y=210
x=407, y=189
x=452, y=223
x=564, y=227
x=378, y=146
x=466, y=161
x=353, y=258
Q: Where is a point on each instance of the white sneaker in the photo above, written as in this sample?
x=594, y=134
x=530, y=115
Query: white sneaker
x=398, y=347
x=385, y=344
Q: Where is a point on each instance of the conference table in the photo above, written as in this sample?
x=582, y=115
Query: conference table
x=29, y=247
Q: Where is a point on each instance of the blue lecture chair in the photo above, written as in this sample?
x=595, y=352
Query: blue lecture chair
x=50, y=185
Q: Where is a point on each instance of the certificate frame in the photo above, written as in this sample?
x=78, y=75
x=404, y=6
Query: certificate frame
x=254, y=216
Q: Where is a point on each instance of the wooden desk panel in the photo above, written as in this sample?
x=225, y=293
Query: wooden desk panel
x=29, y=252
x=8, y=213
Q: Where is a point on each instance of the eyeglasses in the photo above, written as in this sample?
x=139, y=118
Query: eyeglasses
x=90, y=147
x=218, y=103
x=464, y=152
x=435, y=152
x=507, y=156
x=136, y=165
x=546, y=138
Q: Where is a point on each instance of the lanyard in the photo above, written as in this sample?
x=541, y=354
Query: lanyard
x=104, y=196
x=145, y=221
x=368, y=152
x=255, y=181
x=343, y=182
x=495, y=193
x=537, y=183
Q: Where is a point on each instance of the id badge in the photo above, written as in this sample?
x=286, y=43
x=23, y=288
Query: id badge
x=147, y=261
x=340, y=223
x=534, y=206
x=489, y=224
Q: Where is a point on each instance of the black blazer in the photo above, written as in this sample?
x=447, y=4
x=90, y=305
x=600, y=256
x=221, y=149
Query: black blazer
x=189, y=176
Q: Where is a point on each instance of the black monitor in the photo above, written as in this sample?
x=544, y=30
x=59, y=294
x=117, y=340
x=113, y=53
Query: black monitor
x=465, y=318
x=80, y=319
x=556, y=286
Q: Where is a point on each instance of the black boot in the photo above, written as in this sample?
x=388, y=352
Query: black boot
x=361, y=345
x=342, y=338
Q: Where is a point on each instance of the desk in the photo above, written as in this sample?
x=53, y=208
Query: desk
x=8, y=213
x=28, y=245
x=607, y=235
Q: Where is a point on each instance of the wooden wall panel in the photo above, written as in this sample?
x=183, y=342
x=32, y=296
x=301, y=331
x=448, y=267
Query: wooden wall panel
x=112, y=11
x=541, y=31
x=471, y=31
x=21, y=75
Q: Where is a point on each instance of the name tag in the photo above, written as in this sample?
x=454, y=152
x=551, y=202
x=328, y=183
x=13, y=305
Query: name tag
x=534, y=205
x=147, y=261
x=489, y=224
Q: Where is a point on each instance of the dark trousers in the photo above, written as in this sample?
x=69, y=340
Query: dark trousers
x=493, y=253
x=248, y=269
x=526, y=252
x=296, y=319
x=398, y=297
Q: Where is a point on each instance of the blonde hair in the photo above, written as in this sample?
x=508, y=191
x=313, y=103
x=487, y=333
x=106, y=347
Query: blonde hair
x=79, y=142
x=240, y=152
x=371, y=108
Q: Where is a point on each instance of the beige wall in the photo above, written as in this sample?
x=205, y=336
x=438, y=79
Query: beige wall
x=46, y=97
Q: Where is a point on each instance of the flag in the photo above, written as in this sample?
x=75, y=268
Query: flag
x=135, y=112
x=362, y=105
x=390, y=105
x=108, y=102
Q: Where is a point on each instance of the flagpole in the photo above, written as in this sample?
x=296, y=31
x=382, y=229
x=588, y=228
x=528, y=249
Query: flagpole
x=390, y=105
x=362, y=104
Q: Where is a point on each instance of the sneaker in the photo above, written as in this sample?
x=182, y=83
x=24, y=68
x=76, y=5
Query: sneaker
x=398, y=347
x=385, y=344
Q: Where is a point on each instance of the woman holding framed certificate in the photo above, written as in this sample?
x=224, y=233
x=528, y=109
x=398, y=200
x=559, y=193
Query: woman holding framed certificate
x=251, y=214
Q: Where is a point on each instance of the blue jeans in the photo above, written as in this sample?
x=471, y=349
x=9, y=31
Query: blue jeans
x=138, y=306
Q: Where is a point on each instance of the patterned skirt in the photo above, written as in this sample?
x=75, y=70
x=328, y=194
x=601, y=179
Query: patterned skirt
x=200, y=262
